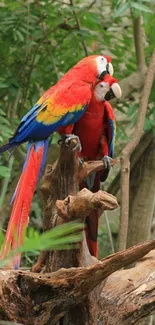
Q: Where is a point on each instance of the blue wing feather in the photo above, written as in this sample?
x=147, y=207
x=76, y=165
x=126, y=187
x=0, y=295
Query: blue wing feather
x=34, y=130
x=111, y=143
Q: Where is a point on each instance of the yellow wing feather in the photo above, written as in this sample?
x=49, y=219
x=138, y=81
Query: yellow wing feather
x=50, y=112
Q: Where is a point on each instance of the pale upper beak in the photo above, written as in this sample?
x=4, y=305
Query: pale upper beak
x=114, y=92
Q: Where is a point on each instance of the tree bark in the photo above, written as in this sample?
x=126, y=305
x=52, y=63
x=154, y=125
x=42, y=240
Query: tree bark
x=127, y=297
x=43, y=299
x=142, y=197
x=145, y=141
x=139, y=47
x=127, y=151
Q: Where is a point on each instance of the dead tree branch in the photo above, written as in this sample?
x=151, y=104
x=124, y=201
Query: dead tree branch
x=144, y=143
x=138, y=40
x=43, y=299
x=126, y=298
x=80, y=205
x=127, y=151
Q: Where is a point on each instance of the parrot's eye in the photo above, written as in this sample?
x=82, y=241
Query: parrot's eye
x=101, y=85
x=110, y=69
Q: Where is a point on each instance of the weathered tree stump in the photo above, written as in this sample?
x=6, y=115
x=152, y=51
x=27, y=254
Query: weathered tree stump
x=69, y=287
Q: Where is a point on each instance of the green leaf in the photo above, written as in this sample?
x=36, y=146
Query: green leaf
x=55, y=138
x=132, y=110
x=147, y=125
x=20, y=36
x=140, y=7
x=59, y=238
x=153, y=1
x=4, y=171
x=3, y=85
x=121, y=9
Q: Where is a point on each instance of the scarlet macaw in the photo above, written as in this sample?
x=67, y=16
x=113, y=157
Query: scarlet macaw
x=99, y=121
x=61, y=105
x=96, y=130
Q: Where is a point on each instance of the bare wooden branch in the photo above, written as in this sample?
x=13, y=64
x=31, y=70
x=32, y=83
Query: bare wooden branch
x=93, y=166
x=80, y=205
x=127, y=151
x=144, y=143
x=128, y=295
x=109, y=232
x=139, y=44
x=43, y=299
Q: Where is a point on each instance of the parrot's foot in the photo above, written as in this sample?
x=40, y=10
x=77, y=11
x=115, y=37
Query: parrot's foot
x=107, y=162
x=107, y=166
x=67, y=138
x=81, y=162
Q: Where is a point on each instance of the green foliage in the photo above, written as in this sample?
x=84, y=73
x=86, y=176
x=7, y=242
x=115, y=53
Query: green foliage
x=59, y=238
x=140, y=6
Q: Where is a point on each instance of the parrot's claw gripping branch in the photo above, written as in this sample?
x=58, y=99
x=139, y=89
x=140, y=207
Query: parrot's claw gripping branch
x=71, y=141
x=89, y=167
x=107, y=162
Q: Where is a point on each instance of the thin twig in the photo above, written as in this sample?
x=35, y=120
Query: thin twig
x=28, y=23
x=15, y=105
x=79, y=27
x=91, y=5
x=114, y=186
x=109, y=232
x=127, y=151
x=49, y=50
x=28, y=79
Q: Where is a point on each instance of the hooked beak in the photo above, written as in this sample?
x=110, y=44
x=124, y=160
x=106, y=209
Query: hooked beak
x=102, y=75
x=114, y=92
x=109, y=70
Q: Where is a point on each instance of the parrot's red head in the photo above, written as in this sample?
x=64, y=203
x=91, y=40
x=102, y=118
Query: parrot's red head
x=107, y=89
x=93, y=68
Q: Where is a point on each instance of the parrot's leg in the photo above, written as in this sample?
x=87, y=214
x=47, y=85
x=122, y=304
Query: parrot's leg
x=107, y=166
x=68, y=138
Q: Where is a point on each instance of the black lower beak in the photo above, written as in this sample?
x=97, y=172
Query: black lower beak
x=109, y=95
x=104, y=73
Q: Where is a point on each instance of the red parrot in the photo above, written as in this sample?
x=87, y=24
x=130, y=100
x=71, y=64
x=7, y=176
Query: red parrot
x=62, y=105
x=96, y=131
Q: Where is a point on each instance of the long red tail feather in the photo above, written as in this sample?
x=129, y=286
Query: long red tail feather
x=22, y=201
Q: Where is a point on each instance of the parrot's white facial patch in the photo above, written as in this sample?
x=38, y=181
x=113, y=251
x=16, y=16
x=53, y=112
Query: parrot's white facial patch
x=104, y=66
x=101, y=89
x=101, y=64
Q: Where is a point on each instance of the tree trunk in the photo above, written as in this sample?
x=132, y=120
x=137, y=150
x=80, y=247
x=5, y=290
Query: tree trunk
x=142, y=197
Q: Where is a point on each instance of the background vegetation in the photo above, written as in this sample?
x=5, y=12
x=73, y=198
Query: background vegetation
x=40, y=40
